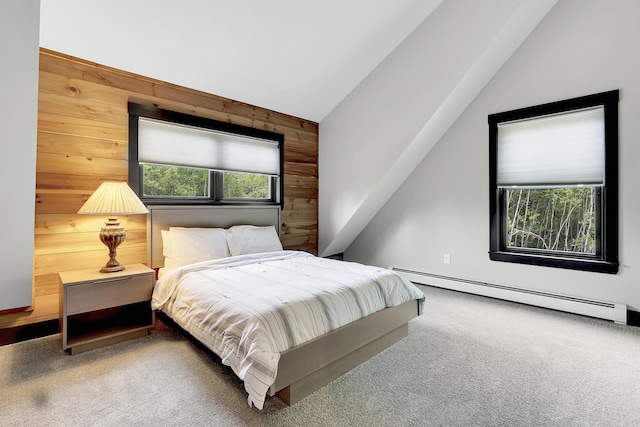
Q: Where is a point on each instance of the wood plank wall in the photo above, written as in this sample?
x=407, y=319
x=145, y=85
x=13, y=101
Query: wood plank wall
x=83, y=140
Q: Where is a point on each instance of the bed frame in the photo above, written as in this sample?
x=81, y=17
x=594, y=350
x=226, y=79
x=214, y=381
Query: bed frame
x=305, y=368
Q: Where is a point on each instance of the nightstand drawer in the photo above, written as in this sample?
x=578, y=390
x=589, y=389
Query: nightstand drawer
x=99, y=294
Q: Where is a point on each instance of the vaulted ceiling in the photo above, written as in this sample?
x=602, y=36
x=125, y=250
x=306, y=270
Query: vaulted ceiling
x=296, y=57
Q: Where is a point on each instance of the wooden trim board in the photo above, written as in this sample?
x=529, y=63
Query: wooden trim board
x=27, y=332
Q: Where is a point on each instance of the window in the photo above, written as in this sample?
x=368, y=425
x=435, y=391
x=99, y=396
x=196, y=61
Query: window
x=177, y=158
x=554, y=184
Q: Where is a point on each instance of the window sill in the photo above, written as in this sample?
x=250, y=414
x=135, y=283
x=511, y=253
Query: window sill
x=205, y=201
x=582, y=264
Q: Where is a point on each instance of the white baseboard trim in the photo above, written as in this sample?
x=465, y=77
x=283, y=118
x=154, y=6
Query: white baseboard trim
x=616, y=312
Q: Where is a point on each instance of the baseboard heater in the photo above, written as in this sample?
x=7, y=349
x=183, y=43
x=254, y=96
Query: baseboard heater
x=600, y=309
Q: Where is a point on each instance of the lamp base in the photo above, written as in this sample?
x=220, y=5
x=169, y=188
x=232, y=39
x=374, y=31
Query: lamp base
x=112, y=234
x=111, y=268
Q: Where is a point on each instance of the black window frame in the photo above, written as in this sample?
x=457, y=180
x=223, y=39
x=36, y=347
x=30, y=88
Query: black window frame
x=215, y=196
x=606, y=258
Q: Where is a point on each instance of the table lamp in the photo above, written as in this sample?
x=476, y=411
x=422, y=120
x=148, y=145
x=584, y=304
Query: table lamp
x=111, y=199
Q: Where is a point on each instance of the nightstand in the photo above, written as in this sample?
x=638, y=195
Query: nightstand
x=98, y=309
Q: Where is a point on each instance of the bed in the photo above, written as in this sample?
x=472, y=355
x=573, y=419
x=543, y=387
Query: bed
x=304, y=358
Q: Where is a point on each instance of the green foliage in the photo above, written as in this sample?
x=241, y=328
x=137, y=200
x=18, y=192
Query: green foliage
x=161, y=180
x=554, y=219
x=174, y=181
x=245, y=186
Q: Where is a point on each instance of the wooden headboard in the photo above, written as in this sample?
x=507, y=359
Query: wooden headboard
x=163, y=217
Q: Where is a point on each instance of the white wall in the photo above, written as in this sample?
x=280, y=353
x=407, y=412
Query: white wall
x=581, y=47
x=19, y=50
x=394, y=117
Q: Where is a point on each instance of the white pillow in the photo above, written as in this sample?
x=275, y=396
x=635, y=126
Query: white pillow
x=167, y=249
x=190, y=245
x=251, y=239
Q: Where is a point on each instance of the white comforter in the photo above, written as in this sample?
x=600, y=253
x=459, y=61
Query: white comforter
x=250, y=308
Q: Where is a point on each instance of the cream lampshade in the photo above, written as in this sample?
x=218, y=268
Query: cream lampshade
x=111, y=199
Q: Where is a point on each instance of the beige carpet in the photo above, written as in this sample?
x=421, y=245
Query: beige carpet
x=469, y=361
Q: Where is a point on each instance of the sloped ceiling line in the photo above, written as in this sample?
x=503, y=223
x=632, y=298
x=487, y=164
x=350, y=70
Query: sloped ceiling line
x=515, y=31
x=297, y=58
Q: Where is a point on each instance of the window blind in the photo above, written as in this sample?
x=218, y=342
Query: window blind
x=556, y=150
x=180, y=145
